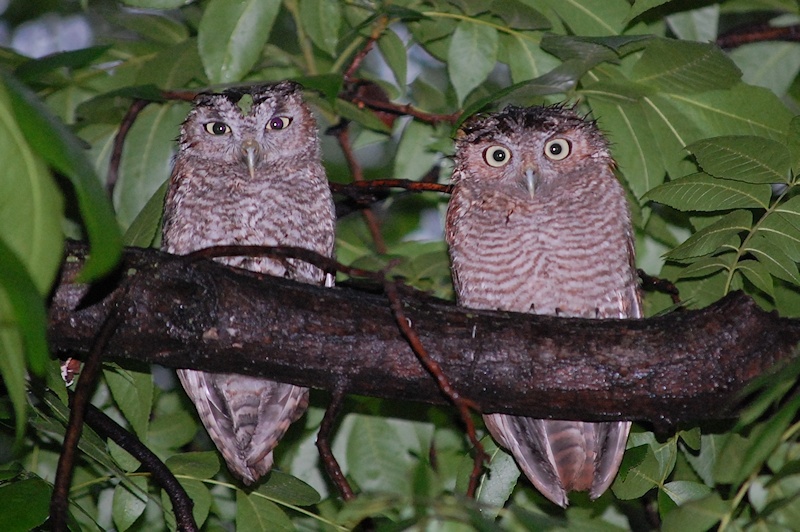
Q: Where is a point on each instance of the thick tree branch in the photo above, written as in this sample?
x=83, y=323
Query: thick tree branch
x=683, y=366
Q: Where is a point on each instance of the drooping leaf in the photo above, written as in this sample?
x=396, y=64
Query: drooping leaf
x=288, y=490
x=638, y=473
x=321, y=21
x=201, y=502
x=133, y=393
x=471, y=57
x=127, y=505
x=711, y=237
x=198, y=464
x=744, y=158
x=590, y=17
x=702, y=192
x=258, y=514
x=699, y=514
x=394, y=52
x=61, y=149
x=25, y=504
x=685, y=67
x=232, y=35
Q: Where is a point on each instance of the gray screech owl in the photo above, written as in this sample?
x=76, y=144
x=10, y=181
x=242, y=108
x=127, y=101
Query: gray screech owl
x=538, y=223
x=249, y=177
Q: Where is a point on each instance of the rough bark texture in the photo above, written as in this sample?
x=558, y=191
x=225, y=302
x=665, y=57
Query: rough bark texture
x=684, y=366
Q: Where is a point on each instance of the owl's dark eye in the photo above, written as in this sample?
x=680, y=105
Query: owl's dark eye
x=217, y=128
x=279, y=122
x=496, y=156
x=557, y=149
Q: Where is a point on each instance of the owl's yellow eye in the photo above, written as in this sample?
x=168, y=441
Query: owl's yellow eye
x=557, y=149
x=279, y=122
x=217, y=128
x=496, y=156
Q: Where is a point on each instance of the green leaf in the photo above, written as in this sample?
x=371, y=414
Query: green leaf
x=287, y=489
x=699, y=514
x=471, y=57
x=591, y=17
x=33, y=70
x=519, y=15
x=524, y=57
x=414, y=158
x=63, y=151
x=782, y=227
x=702, y=192
x=31, y=211
x=696, y=25
x=127, y=505
x=682, y=491
x=750, y=453
x=704, y=461
x=147, y=158
x=711, y=237
x=25, y=504
x=740, y=110
x=633, y=145
x=155, y=4
x=232, y=35
x=708, y=266
x=198, y=465
x=774, y=259
x=744, y=158
x=376, y=458
x=638, y=473
x=364, y=117
x=171, y=431
x=773, y=65
x=395, y=54
x=685, y=67
x=133, y=394
x=642, y=6
x=143, y=231
x=201, y=502
x=173, y=67
x=156, y=28
x=23, y=307
x=756, y=273
x=321, y=21
x=257, y=513
x=499, y=481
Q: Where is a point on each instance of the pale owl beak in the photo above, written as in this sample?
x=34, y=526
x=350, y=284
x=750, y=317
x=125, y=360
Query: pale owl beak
x=251, y=150
x=530, y=181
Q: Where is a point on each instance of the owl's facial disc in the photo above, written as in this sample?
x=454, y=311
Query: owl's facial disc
x=251, y=151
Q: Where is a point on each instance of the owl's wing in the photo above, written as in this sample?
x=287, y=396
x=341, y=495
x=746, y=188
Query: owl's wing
x=611, y=437
x=245, y=416
x=528, y=442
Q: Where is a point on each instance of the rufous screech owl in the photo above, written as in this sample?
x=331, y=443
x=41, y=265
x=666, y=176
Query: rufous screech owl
x=248, y=172
x=538, y=223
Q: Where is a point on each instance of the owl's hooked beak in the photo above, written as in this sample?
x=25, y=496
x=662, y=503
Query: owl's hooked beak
x=251, y=151
x=529, y=181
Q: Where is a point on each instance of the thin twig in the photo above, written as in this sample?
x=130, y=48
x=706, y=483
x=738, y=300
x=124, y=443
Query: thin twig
x=343, y=136
x=377, y=31
x=407, y=110
x=462, y=404
x=324, y=445
x=59, y=501
x=181, y=503
x=380, y=185
x=651, y=283
x=759, y=33
x=119, y=143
